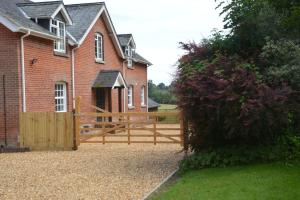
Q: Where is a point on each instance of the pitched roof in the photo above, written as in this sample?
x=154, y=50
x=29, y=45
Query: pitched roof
x=85, y=16
x=152, y=104
x=40, y=9
x=124, y=39
x=138, y=58
x=108, y=79
x=18, y=21
x=78, y=12
x=16, y=14
x=45, y=10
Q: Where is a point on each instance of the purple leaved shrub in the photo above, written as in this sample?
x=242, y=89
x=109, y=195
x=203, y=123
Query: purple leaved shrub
x=226, y=105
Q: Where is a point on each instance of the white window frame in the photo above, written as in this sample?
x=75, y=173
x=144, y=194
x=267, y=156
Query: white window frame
x=130, y=96
x=59, y=45
x=143, y=96
x=128, y=51
x=60, y=95
x=99, y=50
x=129, y=63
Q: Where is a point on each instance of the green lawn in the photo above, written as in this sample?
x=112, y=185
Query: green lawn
x=167, y=107
x=257, y=182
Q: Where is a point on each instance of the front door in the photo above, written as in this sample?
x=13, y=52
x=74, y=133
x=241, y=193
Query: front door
x=100, y=98
x=100, y=101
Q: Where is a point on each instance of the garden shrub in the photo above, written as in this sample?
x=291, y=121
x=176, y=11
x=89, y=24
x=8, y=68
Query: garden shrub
x=226, y=105
x=240, y=92
x=286, y=149
x=282, y=63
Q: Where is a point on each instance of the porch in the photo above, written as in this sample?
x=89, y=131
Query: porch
x=105, y=85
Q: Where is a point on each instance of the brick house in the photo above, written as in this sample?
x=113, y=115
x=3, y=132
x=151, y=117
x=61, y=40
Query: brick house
x=51, y=53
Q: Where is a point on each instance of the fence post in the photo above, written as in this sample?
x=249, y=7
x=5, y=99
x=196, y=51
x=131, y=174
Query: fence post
x=154, y=128
x=77, y=123
x=182, y=131
x=185, y=134
x=104, y=133
x=128, y=123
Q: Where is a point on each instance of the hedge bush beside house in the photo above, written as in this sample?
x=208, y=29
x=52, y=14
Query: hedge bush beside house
x=240, y=93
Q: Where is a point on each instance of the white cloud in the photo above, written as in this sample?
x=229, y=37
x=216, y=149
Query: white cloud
x=159, y=25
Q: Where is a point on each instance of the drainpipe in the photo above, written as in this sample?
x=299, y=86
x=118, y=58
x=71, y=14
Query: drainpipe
x=4, y=113
x=147, y=89
x=23, y=71
x=73, y=75
x=124, y=92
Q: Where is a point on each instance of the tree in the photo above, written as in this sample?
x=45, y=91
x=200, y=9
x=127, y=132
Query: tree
x=162, y=86
x=290, y=10
x=250, y=22
x=161, y=93
x=243, y=87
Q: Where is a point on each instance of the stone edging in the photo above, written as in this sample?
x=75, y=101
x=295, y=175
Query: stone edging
x=158, y=186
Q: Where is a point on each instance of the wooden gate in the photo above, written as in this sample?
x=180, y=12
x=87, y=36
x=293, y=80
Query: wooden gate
x=129, y=128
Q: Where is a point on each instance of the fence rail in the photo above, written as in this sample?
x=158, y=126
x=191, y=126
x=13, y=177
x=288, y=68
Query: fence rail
x=130, y=127
x=65, y=131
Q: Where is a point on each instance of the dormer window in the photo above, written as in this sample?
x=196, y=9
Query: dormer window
x=128, y=51
x=58, y=28
x=99, y=47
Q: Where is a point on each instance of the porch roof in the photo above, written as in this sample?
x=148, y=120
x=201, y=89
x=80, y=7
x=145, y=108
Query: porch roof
x=109, y=79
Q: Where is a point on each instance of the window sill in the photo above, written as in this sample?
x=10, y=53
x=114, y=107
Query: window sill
x=99, y=61
x=131, y=107
x=132, y=68
x=61, y=54
x=143, y=106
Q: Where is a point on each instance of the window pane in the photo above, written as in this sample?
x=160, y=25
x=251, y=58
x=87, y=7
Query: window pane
x=58, y=29
x=130, y=96
x=143, y=95
x=60, y=97
x=54, y=30
x=98, y=46
x=54, y=22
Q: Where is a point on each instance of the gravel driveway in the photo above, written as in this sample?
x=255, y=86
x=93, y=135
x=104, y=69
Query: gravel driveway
x=95, y=171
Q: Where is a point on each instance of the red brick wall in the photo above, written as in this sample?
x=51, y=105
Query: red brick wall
x=87, y=69
x=42, y=76
x=137, y=78
x=9, y=66
x=49, y=69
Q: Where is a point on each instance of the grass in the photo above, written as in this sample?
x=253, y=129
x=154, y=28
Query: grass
x=168, y=108
x=256, y=182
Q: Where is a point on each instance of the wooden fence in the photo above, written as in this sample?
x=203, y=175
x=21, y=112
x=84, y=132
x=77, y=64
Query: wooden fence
x=47, y=131
x=131, y=127
x=65, y=131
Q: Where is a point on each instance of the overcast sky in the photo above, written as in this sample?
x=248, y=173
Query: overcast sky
x=159, y=25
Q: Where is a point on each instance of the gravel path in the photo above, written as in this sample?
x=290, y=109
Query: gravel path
x=95, y=171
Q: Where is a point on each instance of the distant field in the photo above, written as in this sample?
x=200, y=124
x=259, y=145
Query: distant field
x=167, y=107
